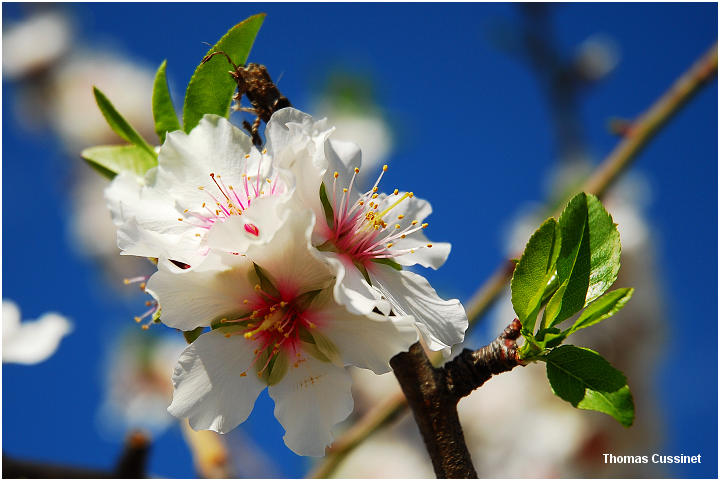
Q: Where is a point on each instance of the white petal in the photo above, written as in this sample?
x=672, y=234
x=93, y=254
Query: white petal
x=442, y=323
x=264, y=214
x=10, y=318
x=351, y=289
x=309, y=401
x=194, y=298
x=209, y=388
x=414, y=208
x=33, y=341
x=367, y=341
x=290, y=260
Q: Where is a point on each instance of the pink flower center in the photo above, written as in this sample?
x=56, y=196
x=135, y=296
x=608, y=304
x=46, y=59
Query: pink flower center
x=225, y=201
x=367, y=229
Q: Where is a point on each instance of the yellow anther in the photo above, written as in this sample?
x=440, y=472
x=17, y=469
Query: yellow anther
x=126, y=281
x=397, y=226
x=311, y=325
x=142, y=286
x=247, y=156
x=389, y=245
x=396, y=192
x=414, y=222
x=411, y=195
x=180, y=219
x=357, y=170
x=401, y=216
x=264, y=151
x=198, y=235
x=243, y=374
x=374, y=196
x=283, y=303
x=412, y=251
x=344, y=189
x=247, y=335
x=201, y=188
x=375, y=189
x=245, y=301
x=385, y=168
x=361, y=203
x=269, y=181
x=424, y=225
x=429, y=245
x=336, y=174
x=148, y=303
x=203, y=204
x=145, y=327
x=185, y=211
x=402, y=236
x=230, y=187
x=257, y=287
x=137, y=319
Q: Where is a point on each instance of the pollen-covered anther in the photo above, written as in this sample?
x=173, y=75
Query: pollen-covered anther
x=396, y=192
x=429, y=245
x=424, y=226
x=357, y=171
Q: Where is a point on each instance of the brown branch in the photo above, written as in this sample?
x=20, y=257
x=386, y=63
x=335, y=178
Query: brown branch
x=433, y=393
x=131, y=464
x=642, y=131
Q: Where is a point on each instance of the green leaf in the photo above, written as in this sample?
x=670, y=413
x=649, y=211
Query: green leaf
x=602, y=308
x=327, y=208
x=534, y=271
x=163, y=111
x=190, y=336
x=211, y=88
x=589, y=257
x=583, y=378
x=110, y=160
x=119, y=124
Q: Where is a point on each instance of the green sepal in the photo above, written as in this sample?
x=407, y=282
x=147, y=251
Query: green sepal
x=303, y=301
x=389, y=262
x=110, y=160
x=162, y=107
x=363, y=271
x=119, y=125
x=311, y=349
x=211, y=87
x=583, y=378
x=265, y=283
x=327, y=208
x=190, y=336
x=277, y=368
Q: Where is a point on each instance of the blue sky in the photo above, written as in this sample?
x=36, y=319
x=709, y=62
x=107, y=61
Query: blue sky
x=474, y=137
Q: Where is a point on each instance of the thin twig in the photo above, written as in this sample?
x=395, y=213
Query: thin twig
x=642, y=131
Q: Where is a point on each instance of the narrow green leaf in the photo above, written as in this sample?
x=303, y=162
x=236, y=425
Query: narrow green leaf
x=211, y=88
x=110, y=160
x=550, y=337
x=602, y=308
x=119, y=124
x=534, y=271
x=583, y=378
x=327, y=208
x=589, y=257
x=163, y=111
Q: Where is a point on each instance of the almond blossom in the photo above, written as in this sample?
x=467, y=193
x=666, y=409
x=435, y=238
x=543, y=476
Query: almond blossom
x=212, y=176
x=274, y=323
x=368, y=237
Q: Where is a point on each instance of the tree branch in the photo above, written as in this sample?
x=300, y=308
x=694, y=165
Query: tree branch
x=639, y=134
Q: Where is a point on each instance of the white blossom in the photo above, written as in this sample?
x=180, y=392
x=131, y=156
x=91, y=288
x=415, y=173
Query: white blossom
x=275, y=324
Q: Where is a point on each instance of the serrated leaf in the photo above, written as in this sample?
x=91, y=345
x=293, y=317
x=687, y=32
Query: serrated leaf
x=119, y=125
x=211, y=88
x=110, y=160
x=603, y=307
x=327, y=208
x=583, y=378
x=589, y=257
x=534, y=271
x=162, y=107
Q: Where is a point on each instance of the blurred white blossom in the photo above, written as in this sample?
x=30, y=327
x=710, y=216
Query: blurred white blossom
x=30, y=342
